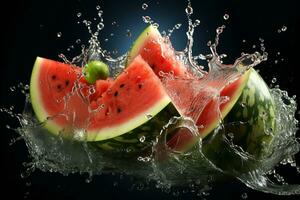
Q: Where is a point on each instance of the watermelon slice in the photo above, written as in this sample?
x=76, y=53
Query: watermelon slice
x=157, y=52
x=61, y=98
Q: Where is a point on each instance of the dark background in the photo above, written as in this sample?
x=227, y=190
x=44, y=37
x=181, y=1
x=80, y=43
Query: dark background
x=29, y=29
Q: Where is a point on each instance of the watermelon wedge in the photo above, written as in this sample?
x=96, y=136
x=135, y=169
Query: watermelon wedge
x=63, y=100
x=157, y=52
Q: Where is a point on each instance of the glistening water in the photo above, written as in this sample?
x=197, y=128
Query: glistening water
x=51, y=153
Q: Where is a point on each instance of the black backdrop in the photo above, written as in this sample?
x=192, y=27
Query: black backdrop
x=29, y=29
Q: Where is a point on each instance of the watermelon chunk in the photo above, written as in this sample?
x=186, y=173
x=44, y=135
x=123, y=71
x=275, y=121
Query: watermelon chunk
x=157, y=52
x=61, y=98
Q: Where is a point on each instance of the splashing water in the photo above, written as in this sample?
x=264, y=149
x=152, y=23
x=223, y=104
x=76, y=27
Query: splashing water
x=163, y=165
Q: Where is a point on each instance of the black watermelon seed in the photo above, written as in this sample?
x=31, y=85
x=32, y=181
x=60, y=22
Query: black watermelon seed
x=140, y=86
x=122, y=85
x=116, y=93
x=58, y=86
x=119, y=110
x=67, y=82
x=53, y=77
x=152, y=66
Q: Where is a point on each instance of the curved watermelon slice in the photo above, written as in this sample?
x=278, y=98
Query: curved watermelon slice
x=61, y=98
x=157, y=52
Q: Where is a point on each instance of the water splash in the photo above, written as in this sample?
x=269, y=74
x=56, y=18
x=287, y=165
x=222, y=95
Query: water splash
x=164, y=165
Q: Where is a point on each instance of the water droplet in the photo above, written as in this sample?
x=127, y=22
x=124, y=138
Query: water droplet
x=155, y=25
x=244, y=41
x=98, y=7
x=189, y=10
x=59, y=34
x=208, y=43
x=149, y=116
x=105, y=39
x=274, y=80
x=114, y=23
x=79, y=14
x=243, y=105
x=220, y=29
x=284, y=28
x=261, y=39
x=230, y=135
x=111, y=34
x=142, y=139
x=7, y=126
x=100, y=26
x=244, y=195
x=128, y=33
x=144, y=6
x=197, y=22
x=254, y=46
x=100, y=15
x=177, y=26
x=147, y=19
x=78, y=41
x=226, y=17
x=92, y=90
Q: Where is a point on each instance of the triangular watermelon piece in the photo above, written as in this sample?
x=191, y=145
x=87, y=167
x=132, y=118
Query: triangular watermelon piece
x=61, y=98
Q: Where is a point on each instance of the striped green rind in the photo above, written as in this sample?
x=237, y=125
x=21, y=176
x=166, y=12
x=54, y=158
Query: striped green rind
x=141, y=138
x=252, y=124
x=130, y=124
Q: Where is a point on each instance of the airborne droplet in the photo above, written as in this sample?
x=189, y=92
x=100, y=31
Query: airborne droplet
x=189, y=10
x=244, y=195
x=128, y=33
x=284, y=28
x=142, y=139
x=146, y=19
x=226, y=17
x=100, y=26
x=144, y=6
x=59, y=34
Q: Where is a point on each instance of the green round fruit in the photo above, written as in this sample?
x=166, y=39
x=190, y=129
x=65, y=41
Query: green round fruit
x=247, y=132
x=95, y=70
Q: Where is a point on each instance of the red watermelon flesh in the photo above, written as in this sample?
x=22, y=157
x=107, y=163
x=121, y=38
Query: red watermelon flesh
x=116, y=106
x=157, y=52
x=204, y=103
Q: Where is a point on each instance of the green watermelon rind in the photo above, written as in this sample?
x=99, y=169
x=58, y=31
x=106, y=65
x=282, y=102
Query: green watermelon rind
x=39, y=111
x=103, y=134
x=130, y=124
x=251, y=135
x=228, y=107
